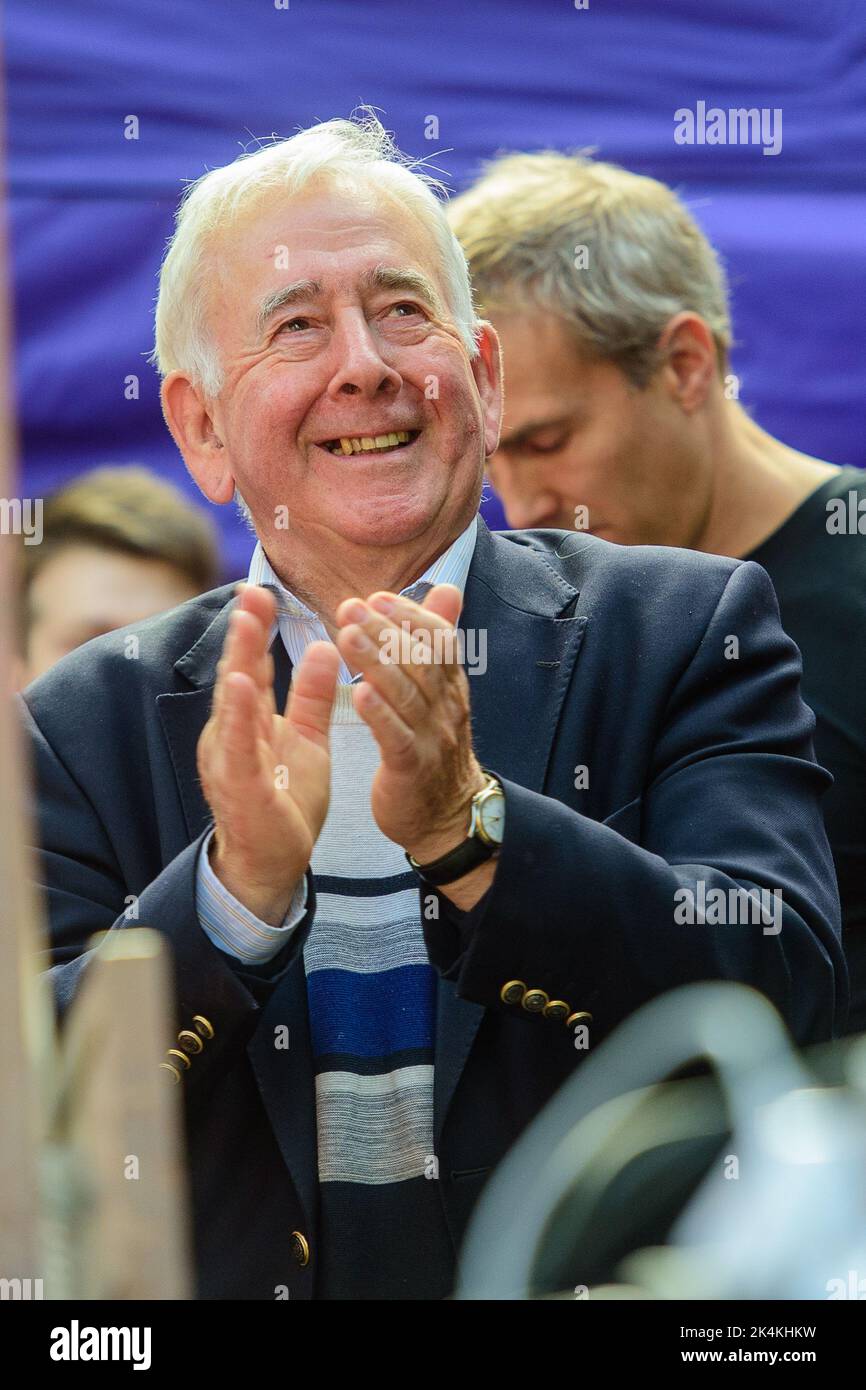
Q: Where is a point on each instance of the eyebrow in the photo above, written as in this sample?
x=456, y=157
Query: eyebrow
x=517, y=437
x=381, y=277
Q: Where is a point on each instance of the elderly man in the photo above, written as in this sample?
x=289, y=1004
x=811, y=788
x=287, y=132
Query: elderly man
x=402, y=908
x=622, y=419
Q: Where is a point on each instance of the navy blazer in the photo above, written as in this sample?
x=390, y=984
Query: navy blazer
x=616, y=659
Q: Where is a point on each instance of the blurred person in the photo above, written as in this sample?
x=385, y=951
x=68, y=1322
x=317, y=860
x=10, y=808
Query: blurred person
x=396, y=858
x=118, y=545
x=621, y=419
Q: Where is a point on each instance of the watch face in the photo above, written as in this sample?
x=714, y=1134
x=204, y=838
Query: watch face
x=491, y=814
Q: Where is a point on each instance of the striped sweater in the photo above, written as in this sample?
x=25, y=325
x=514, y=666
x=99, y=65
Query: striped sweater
x=372, y=1001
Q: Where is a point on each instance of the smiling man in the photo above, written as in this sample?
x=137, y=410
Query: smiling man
x=400, y=900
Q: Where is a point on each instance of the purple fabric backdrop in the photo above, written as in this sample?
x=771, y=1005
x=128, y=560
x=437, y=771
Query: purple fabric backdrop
x=90, y=210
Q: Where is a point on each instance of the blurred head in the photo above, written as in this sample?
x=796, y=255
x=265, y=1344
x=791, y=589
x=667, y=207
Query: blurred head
x=118, y=545
x=320, y=352
x=611, y=309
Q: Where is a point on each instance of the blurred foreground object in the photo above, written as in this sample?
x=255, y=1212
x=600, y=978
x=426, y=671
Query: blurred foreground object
x=91, y=1199
x=781, y=1211
x=114, y=1192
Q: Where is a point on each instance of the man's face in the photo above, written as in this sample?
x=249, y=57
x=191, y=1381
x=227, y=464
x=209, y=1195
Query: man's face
x=577, y=434
x=83, y=591
x=330, y=320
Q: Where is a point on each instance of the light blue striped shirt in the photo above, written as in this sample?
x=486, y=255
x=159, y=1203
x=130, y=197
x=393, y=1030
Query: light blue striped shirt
x=228, y=924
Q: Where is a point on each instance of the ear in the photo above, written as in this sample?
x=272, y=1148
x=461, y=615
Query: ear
x=189, y=416
x=487, y=371
x=689, y=360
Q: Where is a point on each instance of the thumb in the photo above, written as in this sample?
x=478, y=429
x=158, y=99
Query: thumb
x=311, y=694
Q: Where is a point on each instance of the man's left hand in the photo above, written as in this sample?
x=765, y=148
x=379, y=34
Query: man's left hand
x=415, y=699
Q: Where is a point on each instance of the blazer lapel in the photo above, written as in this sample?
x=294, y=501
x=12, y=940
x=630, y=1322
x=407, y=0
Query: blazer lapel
x=523, y=611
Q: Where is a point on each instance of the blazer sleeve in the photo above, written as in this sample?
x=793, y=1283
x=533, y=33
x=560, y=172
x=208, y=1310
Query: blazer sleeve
x=592, y=912
x=84, y=893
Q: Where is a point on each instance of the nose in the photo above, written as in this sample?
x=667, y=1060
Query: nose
x=540, y=510
x=360, y=368
x=527, y=502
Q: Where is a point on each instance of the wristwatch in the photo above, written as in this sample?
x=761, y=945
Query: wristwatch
x=486, y=829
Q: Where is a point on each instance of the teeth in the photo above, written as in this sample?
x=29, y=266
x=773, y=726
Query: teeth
x=367, y=443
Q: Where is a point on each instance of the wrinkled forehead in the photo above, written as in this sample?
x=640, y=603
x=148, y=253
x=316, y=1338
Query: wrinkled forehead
x=331, y=235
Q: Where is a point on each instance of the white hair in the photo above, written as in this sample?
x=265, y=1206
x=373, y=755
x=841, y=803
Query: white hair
x=355, y=155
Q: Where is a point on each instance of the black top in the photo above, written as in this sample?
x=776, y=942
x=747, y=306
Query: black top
x=817, y=562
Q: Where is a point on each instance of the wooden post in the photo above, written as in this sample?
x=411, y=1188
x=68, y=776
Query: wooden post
x=26, y=1025
x=122, y=1127
x=95, y=1208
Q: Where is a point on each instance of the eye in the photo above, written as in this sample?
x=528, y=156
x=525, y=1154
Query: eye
x=546, y=446
x=289, y=323
x=408, y=305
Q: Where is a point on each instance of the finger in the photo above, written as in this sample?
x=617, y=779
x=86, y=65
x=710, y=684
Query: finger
x=442, y=604
x=376, y=625
x=388, y=668
x=267, y=704
x=312, y=692
x=255, y=599
x=446, y=601
x=237, y=749
x=397, y=742
x=261, y=603
x=418, y=643
x=247, y=653
x=224, y=666
x=397, y=608
x=437, y=619
x=436, y=657
x=247, y=649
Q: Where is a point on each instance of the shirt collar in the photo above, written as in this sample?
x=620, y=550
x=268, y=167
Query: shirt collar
x=452, y=567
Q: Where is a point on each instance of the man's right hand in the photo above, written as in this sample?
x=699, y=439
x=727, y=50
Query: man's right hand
x=266, y=776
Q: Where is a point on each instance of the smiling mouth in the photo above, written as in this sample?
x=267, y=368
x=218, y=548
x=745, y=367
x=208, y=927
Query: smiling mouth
x=370, y=443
